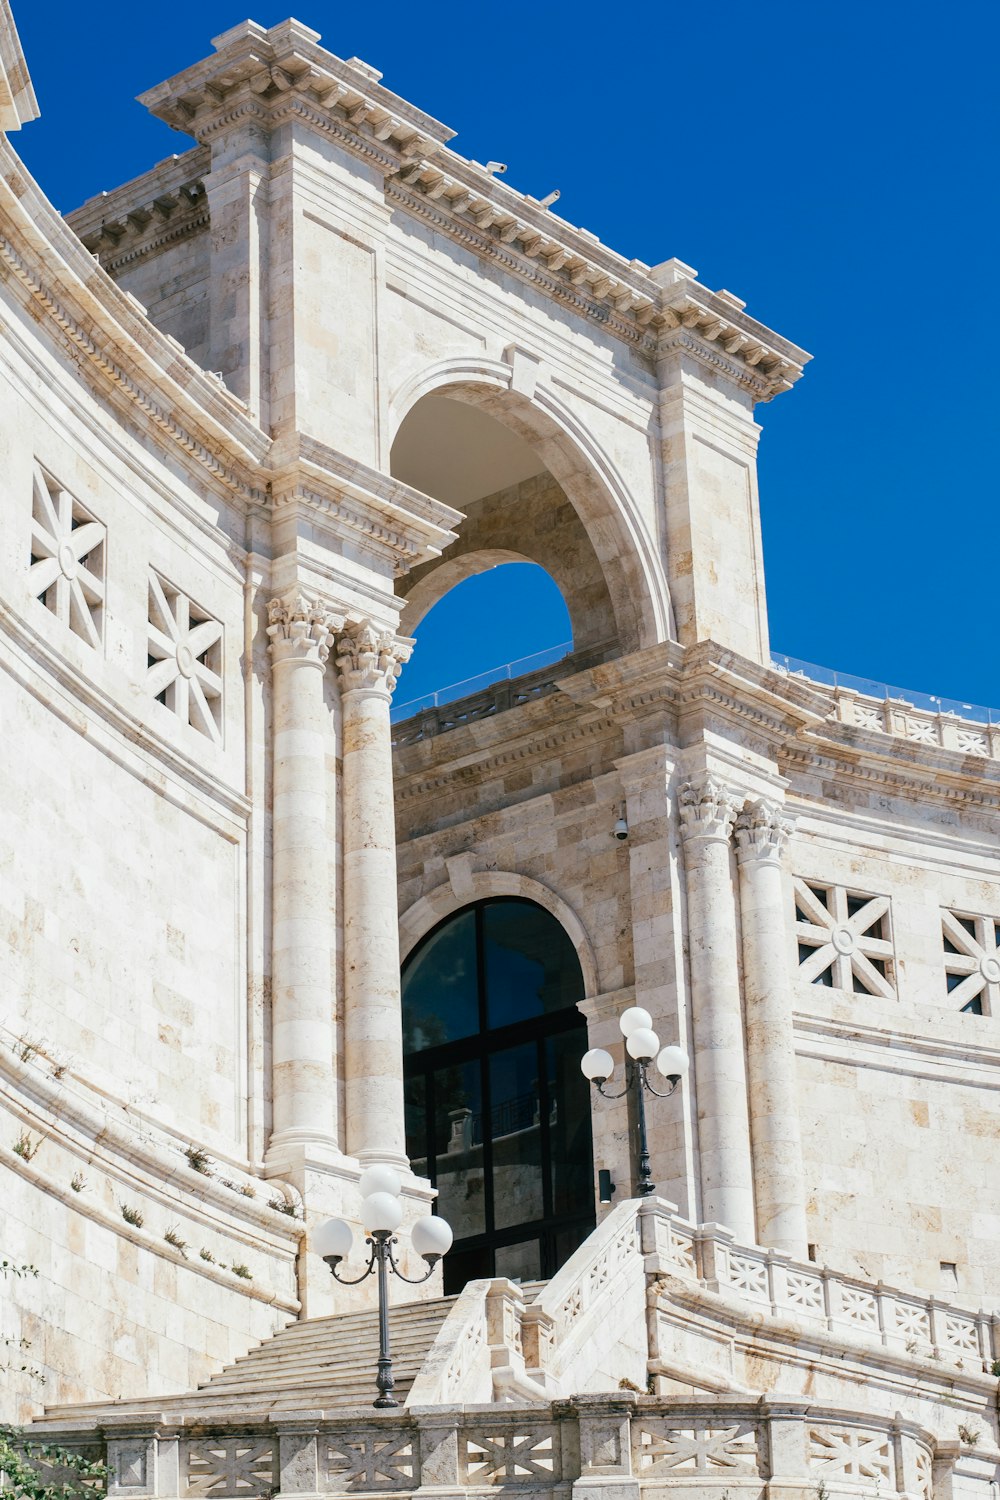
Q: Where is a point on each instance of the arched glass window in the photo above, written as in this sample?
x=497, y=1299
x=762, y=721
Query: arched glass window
x=497, y=1110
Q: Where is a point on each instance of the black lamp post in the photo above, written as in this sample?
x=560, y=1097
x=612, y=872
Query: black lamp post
x=642, y=1045
x=382, y=1213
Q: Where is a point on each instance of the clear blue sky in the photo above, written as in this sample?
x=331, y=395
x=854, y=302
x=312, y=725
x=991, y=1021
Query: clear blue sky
x=836, y=166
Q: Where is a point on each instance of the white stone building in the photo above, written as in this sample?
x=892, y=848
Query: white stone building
x=262, y=408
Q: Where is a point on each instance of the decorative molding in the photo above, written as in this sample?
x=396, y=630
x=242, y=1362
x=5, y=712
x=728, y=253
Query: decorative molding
x=18, y=104
x=123, y=736
x=163, y=207
x=762, y=832
x=370, y=659
x=708, y=809
x=264, y=79
x=184, y=645
x=848, y=935
x=300, y=628
x=108, y=372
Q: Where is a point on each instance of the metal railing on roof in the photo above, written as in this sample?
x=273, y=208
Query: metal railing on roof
x=872, y=688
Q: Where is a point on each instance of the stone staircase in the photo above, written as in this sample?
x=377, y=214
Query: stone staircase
x=327, y=1363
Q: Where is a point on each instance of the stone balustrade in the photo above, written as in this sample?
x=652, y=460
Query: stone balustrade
x=906, y=1322
x=637, y=1445
x=493, y=1344
x=897, y=717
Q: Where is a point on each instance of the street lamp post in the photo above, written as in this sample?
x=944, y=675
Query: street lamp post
x=381, y=1214
x=642, y=1045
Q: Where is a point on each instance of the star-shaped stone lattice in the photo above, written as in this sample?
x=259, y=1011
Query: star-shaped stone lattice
x=972, y=962
x=843, y=939
x=67, y=558
x=185, y=658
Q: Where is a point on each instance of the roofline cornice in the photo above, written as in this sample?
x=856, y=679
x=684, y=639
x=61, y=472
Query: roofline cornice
x=271, y=78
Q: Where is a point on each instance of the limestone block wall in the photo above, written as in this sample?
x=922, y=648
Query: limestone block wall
x=900, y=1090
x=887, y=901
x=132, y=980
x=152, y=236
x=173, y=287
x=148, y=1267
x=125, y=829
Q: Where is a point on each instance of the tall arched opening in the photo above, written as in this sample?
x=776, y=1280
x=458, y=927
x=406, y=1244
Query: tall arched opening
x=497, y=1110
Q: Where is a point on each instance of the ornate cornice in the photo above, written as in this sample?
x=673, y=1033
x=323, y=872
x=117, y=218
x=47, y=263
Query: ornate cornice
x=111, y=375
x=369, y=659
x=762, y=832
x=18, y=104
x=935, y=781
x=269, y=78
x=399, y=523
x=164, y=206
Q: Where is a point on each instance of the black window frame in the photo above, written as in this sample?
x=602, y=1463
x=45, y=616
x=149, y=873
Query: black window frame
x=479, y=1048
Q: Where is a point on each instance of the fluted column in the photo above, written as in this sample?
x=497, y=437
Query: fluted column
x=368, y=660
x=762, y=831
x=707, y=810
x=302, y=1007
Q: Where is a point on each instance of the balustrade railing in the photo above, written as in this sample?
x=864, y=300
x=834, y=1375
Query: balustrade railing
x=706, y=1445
x=905, y=1321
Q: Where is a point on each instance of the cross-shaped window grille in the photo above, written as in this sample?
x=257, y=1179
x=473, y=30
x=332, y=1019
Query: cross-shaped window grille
x=184, y=658
x=972, y=962
x=67, y=558
x=844, y=939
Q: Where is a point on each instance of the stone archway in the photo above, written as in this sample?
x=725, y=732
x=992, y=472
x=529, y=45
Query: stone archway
x=626, y=566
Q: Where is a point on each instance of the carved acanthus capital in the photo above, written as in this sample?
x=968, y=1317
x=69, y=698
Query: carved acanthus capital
x=707, y=808
x=762, y=831
x=370, y=659
x=301, y=628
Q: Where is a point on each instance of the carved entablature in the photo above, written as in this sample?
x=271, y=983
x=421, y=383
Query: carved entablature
x=708, y=809
x=370, y=659
x=762, y=831
x=301, y=628
x=260, y=80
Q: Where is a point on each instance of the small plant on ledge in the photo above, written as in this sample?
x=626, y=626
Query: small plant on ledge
x=173, y=1238
x=282, y=1206
x=198, y=1160
x=207, y=1255
x=78, y=1182
x=24, y=1147
x=131, y=1215
x=969, y=1435
x=242, y=1271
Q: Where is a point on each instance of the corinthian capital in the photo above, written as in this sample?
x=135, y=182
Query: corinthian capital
x=707, y=809
x=370, y=658
x=762, y=831
x=301, y=627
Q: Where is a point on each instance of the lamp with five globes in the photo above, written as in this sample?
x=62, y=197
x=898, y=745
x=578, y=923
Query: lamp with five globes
x=381, y=1215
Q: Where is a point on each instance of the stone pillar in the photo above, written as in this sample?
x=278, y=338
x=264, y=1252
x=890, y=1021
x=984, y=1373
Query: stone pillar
x=369, y=660
x=707, y=811
x=762, y=831
x=238, y=200
x=302, y=991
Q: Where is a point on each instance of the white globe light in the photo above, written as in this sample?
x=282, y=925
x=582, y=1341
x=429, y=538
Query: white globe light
x=642, y=1043
x=431, y=1237
x=379, y=1179
x=597, y=1064
x=673, y=1062
x=381, y=1211
x=331, y=1239
x=634, y=1019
